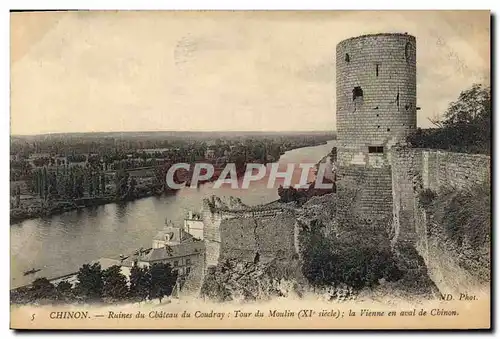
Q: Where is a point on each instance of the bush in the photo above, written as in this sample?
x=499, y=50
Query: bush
x=426, y=197
x=348, y=260
x=465, y=127
x=464, y=215
x=467, y=216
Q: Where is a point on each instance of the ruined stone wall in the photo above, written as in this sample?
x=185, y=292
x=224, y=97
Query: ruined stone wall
x=376, y=95
x=406, y=183
x=214, y=213
x=414, y=170
x=271, y=237
x=374, y=199
x=457, y=170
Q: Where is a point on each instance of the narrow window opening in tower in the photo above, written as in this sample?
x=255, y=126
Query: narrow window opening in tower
x=347, y=59
x=408, y=50
x=397, y=99
x=388, y=130
x=377, y=115
x=375, y=149
x=376, y=69
x=357, y=92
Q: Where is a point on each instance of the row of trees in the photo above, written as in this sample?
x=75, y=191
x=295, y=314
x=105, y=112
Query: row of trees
x=465, y=126
x=100, y=143
x=68, y=182
x=97, y=285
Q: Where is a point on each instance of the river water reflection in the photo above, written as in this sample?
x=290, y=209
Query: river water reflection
x=62, y=243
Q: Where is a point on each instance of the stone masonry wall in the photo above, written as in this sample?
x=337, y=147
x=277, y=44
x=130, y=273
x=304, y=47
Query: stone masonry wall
x=383, y=67
x=214, y=215
x=374, y=200
x=406, y=182
x=417, y=169
x=270, y=237
x=457, y=170
x=414, y=170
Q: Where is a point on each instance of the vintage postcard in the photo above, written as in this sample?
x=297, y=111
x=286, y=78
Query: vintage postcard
x=250, y=170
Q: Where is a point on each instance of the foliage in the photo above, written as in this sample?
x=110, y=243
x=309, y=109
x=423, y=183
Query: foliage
x=140, y=283
x=42, y=289
x=96, y=285
x=90, y=282
x=122, y=185
x=212, y=288
x=426, y=197
x=465, y=127
x=289, y=194
x=465, y=215
x=114, y=284
x=353, y=261
x=163, y=280
x=65, y=291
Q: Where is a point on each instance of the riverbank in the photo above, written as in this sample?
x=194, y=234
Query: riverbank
x=20, y=215
x=63, y=242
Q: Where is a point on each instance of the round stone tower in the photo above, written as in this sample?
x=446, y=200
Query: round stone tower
x=376, y=96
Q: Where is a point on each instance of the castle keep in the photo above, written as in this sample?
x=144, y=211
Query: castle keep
x=376, y=96
x=376, y=109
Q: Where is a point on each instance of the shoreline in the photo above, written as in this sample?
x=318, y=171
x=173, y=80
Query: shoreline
x=91, y=202
x=18, y=216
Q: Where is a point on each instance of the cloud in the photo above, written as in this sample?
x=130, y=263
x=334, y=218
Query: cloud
x=101, y=71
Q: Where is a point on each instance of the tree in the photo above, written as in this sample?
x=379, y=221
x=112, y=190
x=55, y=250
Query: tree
x=78, y=187
x=132, y=187
x=41, y=289
x=465, y=127
x=121, y=181
x=18, y=196
x=45, y=185
x=90, y=282
x=114, y=284
x=163, y=280
x=96, y=184
x=64, y=290
x=103, y=184
x=473, y=106
x=140, y=282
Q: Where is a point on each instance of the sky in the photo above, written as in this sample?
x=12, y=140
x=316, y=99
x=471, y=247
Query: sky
x=219, y=71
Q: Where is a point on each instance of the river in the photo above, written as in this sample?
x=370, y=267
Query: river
x=60, y=244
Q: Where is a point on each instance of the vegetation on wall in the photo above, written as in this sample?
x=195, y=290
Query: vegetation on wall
x=349, y=260
x=426, y=197
x=464, y=127
x=465, y=215
x=461, y=220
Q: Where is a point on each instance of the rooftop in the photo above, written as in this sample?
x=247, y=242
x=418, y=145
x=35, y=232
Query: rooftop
x=189, y=247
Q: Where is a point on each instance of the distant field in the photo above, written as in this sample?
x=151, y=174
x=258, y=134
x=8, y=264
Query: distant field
x=171, y=134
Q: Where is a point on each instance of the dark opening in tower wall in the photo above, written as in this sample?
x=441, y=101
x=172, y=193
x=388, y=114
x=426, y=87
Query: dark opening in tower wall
x=375, y=149
x=357, y=92
x=347, y=59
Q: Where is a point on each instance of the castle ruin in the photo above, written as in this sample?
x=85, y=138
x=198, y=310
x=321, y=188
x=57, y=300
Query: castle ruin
x=376, y=109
